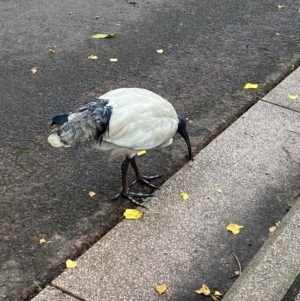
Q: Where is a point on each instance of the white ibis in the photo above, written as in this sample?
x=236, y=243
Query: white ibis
x=125, y=121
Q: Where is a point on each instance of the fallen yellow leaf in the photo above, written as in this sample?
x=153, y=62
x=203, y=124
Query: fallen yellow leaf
x=161, y=288
x=133, y=214
x=42, y=240
x=70, y=264
x=272, y=229
x=280, y=6
x=236, y=273
x=184, y=195
x=92, y=57
x=142, y=152
x=234, y=228
x=160, y=51
x=92, y=193
x=51, y=50
x=203, y=290
x=113, y=59
x=250, y=86
x=219, y=190
x=217, y=293
x=105, y=35
x=33, y=70
x=293, y=96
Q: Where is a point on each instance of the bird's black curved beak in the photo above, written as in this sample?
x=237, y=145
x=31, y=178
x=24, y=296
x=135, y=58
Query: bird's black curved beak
x=182, y=131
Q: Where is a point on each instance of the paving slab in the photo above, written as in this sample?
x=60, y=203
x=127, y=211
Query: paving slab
x=275, y=267
x=185, y=243
x=284, y=93
x=273, y=270
x=51, y=293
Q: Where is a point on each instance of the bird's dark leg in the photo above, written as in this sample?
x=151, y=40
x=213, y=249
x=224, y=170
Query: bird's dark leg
x=125, y=189
x=140, y=178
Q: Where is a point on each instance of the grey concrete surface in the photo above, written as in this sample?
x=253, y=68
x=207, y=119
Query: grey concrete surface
x=50, y=293
x=280, y=95
x=274, y=268
x=179, y=242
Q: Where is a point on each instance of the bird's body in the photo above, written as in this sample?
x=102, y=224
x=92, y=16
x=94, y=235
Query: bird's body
x=123, y=121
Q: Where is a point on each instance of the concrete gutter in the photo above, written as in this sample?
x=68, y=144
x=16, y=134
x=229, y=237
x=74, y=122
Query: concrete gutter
x=177, y=242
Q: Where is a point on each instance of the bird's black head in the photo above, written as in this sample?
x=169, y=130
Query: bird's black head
x=60, y=119
x=182, y=131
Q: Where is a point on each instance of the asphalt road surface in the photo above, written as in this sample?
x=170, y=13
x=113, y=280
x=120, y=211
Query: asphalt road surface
x=211, y=49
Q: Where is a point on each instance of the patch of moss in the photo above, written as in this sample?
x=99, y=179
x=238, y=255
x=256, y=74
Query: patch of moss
x=20, y=152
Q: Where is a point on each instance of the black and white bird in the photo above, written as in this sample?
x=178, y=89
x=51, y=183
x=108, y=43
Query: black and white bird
x=123, y=121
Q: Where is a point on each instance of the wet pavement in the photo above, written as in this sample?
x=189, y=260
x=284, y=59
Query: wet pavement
x=210, y=51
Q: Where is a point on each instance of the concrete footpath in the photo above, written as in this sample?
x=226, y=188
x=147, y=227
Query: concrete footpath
x=256, y=158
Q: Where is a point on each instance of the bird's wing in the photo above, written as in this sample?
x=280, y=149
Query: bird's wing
x=87, y=123
x=140, y=119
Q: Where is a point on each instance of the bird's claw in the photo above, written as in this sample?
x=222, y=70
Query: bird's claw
x=129, y=196
x=145, y=180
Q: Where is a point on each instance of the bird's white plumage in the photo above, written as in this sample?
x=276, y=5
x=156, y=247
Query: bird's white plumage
x=140, y=120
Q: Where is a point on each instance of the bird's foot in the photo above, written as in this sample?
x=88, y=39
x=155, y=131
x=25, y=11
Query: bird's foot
x=129, y=196
x=145, y=180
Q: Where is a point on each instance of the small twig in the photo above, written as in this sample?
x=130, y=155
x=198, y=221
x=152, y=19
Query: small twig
x=297, y=194
x=240, y=268
x=289, y=155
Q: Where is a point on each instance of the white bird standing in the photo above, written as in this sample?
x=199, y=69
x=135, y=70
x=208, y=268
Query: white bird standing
x=125, y=121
